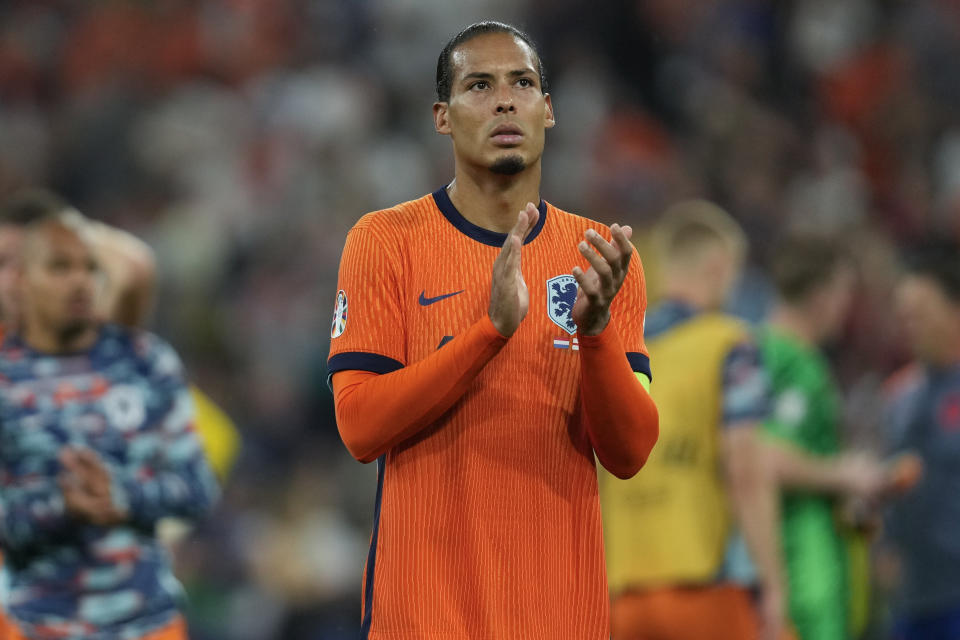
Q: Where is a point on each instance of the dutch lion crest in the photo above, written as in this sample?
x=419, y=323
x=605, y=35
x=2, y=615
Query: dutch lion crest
x=561, y=294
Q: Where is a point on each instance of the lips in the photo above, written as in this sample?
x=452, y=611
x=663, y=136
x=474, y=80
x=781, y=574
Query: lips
x=507, y=134
x=80, y=304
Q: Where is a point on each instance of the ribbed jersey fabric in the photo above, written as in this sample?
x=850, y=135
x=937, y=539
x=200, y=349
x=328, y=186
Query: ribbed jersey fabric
x=488, y=521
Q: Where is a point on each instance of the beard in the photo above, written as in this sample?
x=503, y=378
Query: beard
x=508, y=165
x=73, y=329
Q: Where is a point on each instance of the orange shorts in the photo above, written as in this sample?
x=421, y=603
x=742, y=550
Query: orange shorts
x=718, y=612
x=177, y=630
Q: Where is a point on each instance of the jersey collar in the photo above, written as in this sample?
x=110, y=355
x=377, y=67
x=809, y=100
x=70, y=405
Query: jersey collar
x=16, y=341
x=666, y=315
x=485, y=236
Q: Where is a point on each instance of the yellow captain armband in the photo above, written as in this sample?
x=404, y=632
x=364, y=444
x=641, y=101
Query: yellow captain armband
x=644, y=380
x=218, y=434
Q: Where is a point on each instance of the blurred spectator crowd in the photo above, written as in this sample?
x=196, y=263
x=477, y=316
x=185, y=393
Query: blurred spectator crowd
x=242, y=139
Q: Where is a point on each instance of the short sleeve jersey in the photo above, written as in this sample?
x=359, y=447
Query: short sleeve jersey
x=488, y=521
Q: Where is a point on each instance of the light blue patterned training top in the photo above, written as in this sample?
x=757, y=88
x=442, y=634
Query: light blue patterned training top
x=124, y=398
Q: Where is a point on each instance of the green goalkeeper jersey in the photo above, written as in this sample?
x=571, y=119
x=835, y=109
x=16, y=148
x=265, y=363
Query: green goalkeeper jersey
x=806, y=414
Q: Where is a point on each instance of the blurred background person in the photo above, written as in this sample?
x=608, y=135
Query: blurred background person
x=923, y=527
x=124, y=295
x=98, y=447
x=673, y=532
x=814, y=279
x=126, y=263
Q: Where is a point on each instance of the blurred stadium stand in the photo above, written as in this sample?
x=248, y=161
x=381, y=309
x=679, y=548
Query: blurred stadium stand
x=242, y=139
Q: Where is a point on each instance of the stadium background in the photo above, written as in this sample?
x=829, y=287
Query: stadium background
x=242, y=139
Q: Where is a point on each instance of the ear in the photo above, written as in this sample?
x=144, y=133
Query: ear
x=441, y=120
x=548, y=119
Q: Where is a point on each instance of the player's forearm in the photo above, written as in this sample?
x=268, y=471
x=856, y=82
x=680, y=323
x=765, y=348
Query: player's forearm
x=376, y=412
x=795, y=469
x=130, y=269
x=620, y=415
x=755, y=500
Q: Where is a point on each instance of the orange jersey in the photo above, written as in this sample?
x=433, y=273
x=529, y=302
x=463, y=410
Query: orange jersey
x=487, y=522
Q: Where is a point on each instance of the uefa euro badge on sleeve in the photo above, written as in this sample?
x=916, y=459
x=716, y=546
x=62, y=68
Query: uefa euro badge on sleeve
x=339, y=315
x=561, y=294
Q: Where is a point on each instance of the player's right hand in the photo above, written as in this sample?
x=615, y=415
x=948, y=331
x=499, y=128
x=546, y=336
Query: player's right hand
x=509, y=297
x=86, y=486
x=864, y=475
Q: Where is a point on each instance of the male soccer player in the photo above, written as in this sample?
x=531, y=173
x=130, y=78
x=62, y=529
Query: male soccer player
x=814, y=284
x=924, y=413
x=124, y=296
x=675, y=561
x=97, y=446
x=127, y=264
x=484, y=386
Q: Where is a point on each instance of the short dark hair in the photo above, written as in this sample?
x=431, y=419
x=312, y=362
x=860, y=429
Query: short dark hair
x=803, y=262
x=938, y=260
x=445, y=69
x=29, y=206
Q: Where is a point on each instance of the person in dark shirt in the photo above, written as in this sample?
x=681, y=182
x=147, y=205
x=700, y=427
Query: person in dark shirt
x=923, y=527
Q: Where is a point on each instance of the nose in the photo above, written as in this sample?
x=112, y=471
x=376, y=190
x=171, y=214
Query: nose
x=81, y=279
x=505, y=101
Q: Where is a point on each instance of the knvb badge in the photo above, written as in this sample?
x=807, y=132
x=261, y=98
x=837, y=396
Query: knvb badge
x=561, y=295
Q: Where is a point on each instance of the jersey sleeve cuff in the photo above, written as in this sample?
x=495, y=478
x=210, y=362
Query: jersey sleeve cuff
x=489, y=331
x=360, y=361
x=609, y=337
x=640, y=363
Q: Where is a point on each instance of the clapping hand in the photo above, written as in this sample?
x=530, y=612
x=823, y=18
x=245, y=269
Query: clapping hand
x=85, y=482
x=509, y=297
x=601, y=282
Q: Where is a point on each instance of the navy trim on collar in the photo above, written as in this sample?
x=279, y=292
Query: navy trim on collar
x=666, y=316
x=486, y=236
x=16, y=341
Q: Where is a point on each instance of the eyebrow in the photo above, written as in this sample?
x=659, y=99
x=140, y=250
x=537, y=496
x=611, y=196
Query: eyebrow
x=482, y=75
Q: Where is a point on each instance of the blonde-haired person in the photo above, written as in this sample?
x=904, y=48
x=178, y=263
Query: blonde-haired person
x=673, y=533
x=696, y=538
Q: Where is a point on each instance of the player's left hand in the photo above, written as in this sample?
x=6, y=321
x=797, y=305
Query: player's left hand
x=85, y=482
x=601, y=282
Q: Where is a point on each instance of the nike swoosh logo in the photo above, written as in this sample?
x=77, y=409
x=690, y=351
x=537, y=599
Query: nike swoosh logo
x=425, y=301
